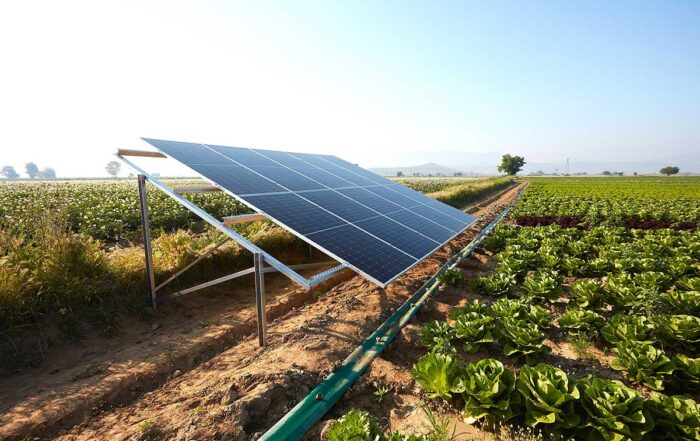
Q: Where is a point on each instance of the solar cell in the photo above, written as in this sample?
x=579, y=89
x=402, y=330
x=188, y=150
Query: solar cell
x=378, y=260
x=370, y=200
x=288, y=178
x=340, y=205
x=390, y=195
x=377, y=227
x=423, y=225
x=399, y=236
x=237, y=179
x=294, y=212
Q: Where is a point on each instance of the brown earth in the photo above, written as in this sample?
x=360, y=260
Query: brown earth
x=196, y=372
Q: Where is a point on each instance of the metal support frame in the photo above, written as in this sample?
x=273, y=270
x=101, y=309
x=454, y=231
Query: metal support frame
x=147, y=241
x=259, y=262
x=260, y=257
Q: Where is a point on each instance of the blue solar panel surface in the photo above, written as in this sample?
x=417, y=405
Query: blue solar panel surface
x=379, y=228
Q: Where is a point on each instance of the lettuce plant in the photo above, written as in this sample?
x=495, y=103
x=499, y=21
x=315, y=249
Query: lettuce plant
x=436, y=336
x=489, y=392
x=683, y=302
x=503, y=308
x=676, y=418
x=537, y=314
x=548, y=397
x=626, y=328
x=680, y=266
x=613, y=411
x=496, y=284
x=451, y=277
x=356, y=425
x=543, y=285
x=679, y=331
x=472, y=306
x=689, y=284
x=643, y=363
x=474, y=330
x=587, y=293
x=653, y=281
x=577, y=321
x=521, y=338
x=573, y=266
x=439, y=375
x=624, y=294
x=686, y=376
x=599, y=266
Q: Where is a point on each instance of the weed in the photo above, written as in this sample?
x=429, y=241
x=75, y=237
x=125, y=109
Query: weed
x=380, y=393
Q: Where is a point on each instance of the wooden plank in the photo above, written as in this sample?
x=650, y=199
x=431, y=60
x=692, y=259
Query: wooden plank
x=233, y=220
x=146, y=153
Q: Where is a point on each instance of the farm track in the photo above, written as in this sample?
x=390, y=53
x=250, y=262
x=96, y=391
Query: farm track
x=196, y=394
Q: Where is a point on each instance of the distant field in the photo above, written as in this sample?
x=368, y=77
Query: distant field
x=614, y=201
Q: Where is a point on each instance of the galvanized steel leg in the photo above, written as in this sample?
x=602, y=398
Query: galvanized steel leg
x=258, y=261
x=147, y=241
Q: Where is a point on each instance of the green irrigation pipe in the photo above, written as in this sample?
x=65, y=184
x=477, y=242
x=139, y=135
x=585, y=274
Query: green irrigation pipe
x=309, y=410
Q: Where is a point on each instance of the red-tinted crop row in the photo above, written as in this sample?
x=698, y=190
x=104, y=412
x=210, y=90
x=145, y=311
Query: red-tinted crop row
x=577, y=222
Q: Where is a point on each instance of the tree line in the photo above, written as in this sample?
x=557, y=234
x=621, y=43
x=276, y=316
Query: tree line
x=31, y=169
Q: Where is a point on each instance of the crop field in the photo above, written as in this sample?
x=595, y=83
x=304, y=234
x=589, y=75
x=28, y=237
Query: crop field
x=584, y=323
x=69, y=246
x=109, y=210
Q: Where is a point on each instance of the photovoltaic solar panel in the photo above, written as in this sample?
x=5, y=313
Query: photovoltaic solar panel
x=376, y=226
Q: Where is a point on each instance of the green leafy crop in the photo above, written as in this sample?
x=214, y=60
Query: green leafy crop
x=644, y=363
x=676, y=418
x=474, y=330
x=439, y=375
x=544, y=285
x=437, y=336
x=496, y=284
x=587, y=293
x=628, y=328
x=614, y=411
x=451, y=277
x=521, y=338
x=537, y=315
x=472, y=306
x=680, y=331
x=683, y=302
x=549, y=396
x=686, y=376
x=577, y=321
x=489, y=392
x=356, y=425
x=503, y=308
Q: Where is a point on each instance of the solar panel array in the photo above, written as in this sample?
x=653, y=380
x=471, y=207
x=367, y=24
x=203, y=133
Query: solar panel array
x=376, y=226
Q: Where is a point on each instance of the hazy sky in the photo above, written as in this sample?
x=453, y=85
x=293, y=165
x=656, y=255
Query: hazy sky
x=362, y=80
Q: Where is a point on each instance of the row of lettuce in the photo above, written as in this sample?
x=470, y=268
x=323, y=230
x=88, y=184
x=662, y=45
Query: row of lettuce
x=549, y=400
x=613, y=201
x=637, y=292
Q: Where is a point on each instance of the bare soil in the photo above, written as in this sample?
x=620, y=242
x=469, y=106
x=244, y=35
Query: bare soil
x=196, y=371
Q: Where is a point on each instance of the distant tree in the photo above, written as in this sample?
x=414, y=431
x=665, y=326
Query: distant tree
x=399, y=174
x=47, y=173
x=511, y=164
x=113, y=168
x=9, y=172
x=669, y=170
x=618, y=173
x=31, y=169
x=635, y=173
x=606, y=173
